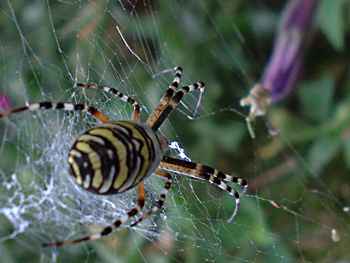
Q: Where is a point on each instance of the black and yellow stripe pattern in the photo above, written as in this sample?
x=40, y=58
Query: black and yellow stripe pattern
x=64, y=106
x=115, y=157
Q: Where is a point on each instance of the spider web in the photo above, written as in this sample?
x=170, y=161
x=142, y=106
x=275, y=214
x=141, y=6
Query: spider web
x=50, y=45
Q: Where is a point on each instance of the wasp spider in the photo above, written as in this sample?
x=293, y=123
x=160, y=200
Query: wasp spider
x=116, y=156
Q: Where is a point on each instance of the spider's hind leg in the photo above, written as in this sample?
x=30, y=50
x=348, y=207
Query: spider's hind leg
x=131, y=213
x=108, y=230
x=161, y=200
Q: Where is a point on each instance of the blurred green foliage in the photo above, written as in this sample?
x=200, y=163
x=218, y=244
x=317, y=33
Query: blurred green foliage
x=226, y=44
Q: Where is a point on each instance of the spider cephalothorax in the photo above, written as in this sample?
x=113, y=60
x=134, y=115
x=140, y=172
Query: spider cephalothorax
x=116, y=156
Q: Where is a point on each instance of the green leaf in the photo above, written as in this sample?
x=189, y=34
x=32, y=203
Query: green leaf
x=321, y=153
x=316, y=98
x=332, y=22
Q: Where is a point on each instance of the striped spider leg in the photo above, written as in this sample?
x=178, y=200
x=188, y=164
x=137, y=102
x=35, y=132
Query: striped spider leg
x=65, y=106
x=172, y=98
x=122, y=220
x=160, y=201
x=136, y=106
x=206, y=173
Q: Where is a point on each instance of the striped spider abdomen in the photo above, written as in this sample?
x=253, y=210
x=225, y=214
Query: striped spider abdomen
x=114, y=157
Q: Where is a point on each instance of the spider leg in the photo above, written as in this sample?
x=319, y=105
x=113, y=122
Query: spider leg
x=160, y=201
x=141, y=195
x=164, y=101
x=159, y=116
x=109, y=229
x=206, y=173
x=136, y=106
x=65, y=106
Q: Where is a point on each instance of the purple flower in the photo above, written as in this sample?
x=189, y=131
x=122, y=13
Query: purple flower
x=286, y=61
x=285, y=64
x=4, y=103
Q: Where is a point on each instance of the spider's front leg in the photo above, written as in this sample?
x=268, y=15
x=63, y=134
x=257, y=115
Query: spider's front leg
x=64, y=106
x=135, y=104
x=171, y=100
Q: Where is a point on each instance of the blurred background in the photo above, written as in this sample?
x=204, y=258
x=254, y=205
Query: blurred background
x=297, y=207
